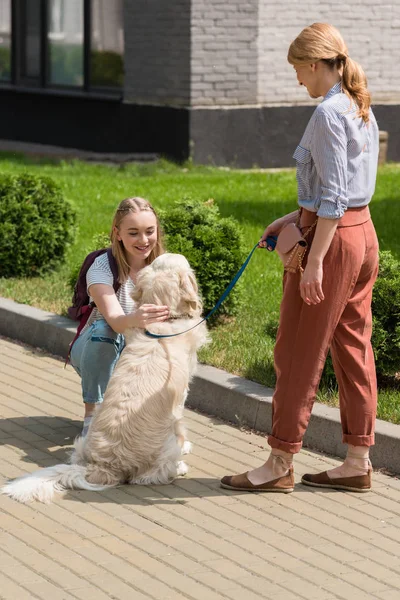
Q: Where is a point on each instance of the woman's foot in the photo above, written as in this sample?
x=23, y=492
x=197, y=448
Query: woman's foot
x=355, y=464
x=351, y=467
x=354, y=475
x=277, y=465
x=358, y=483
x=276, y=475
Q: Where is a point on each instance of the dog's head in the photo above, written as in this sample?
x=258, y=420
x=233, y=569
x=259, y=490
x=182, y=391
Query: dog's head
x=169, y=281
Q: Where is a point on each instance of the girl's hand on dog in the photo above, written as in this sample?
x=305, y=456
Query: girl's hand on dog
x=149, y=313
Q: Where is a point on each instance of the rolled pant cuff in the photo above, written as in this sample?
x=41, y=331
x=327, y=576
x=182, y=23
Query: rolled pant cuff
x=359, y=440
x=92, y=400
x=290, y=447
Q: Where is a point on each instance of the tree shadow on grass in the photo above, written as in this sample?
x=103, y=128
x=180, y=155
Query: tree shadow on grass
x=258, y=212
x=262, y=372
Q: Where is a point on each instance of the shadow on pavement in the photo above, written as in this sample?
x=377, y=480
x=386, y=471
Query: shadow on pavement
x=37, y=436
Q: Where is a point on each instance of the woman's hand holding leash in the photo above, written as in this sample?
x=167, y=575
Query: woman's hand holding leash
x=270, y=235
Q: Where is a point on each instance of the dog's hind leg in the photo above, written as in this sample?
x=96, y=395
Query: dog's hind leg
x=163, y=469
x=103, y=476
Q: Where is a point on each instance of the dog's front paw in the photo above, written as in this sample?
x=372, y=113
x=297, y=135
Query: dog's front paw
x=187, y=447
x=182, y=468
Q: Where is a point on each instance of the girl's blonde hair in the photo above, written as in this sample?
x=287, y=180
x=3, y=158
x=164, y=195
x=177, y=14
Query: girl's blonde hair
x=323, y=42
x=126, y=207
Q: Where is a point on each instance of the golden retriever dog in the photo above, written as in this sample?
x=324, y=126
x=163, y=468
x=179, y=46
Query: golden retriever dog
x=136, y=435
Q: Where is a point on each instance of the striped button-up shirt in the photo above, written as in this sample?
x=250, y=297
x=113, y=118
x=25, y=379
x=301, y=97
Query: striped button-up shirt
x=337, y=157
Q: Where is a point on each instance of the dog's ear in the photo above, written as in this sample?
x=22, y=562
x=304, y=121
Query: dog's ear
x=189, y=291
x=143, y=282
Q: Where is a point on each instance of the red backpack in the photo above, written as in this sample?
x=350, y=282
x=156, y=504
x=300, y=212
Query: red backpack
x=81, y=307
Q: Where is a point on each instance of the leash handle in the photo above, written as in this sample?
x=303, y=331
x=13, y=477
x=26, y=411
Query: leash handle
x=226, y=292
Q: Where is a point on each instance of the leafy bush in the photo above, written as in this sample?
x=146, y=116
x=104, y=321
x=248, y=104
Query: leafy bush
x=386, y=316
x=98, y=241
x=386, y=322
x=36, y=225
x=213, y=246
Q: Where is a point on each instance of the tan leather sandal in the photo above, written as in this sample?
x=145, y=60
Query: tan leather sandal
x=241, y=483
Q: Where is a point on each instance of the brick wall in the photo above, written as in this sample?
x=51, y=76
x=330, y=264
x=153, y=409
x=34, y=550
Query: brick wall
x=224, y=52
x=371, y=30
x=210, y=53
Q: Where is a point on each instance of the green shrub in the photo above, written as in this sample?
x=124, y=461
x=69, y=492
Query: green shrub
x=213, y=246
x=386, y=322
x=386, y=316
x=98, y=241
x=36, y=225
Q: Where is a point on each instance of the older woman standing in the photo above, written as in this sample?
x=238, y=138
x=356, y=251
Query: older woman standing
x=329, y=306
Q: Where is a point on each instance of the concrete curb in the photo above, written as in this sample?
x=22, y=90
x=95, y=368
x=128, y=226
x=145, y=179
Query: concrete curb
x=213, y=391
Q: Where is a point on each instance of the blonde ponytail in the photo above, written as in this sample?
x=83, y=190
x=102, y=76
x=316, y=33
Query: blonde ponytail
x=354, y=84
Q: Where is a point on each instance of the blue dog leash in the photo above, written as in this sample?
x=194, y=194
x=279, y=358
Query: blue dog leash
x=271, y=243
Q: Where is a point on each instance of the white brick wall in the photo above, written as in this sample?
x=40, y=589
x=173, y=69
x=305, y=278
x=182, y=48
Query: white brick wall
x=371, y=30
x=224, y=52
x=219, y=53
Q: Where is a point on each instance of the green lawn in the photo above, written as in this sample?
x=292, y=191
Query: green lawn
x=243, y=346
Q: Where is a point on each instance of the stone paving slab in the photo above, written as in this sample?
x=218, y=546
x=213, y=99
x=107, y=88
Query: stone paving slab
x=188, y=540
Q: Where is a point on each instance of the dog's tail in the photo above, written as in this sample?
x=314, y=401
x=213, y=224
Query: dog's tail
x=42, y=484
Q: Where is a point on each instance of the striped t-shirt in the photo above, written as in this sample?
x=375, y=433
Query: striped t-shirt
x=100, y=272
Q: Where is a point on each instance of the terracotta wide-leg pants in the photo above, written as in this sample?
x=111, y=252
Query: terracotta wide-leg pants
x=342, y=323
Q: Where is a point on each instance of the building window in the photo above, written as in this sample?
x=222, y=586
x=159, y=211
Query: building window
x=5, y=40
x=30, y=41
x=64, y=44
x=107, y=44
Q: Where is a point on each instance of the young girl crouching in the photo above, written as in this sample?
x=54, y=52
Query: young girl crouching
x=136, y=242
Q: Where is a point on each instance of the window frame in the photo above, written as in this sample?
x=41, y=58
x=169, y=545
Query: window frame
x=44, y=85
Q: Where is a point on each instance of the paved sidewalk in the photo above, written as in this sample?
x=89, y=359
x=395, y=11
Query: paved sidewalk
x=189, y=540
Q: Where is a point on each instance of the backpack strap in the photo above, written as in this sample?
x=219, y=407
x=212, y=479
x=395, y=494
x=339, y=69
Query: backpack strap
x=87, y=309
x=114, y=269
